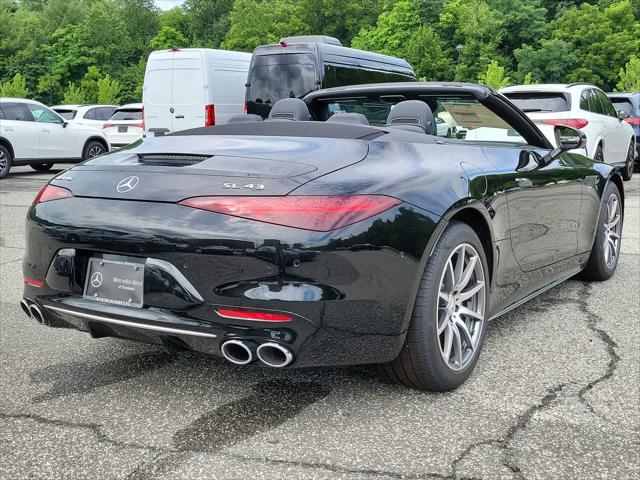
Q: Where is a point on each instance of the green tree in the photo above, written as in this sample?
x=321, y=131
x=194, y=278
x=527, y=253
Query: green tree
x=73, y=95
x=209, y=20
x=108, y=90
x=17, y=88
x=494, y=76
x=547, y=62
x=49, y=88
x=429, y=55
x=168, y=37
x=89, y=83
x=630, y=76
x=523, y=21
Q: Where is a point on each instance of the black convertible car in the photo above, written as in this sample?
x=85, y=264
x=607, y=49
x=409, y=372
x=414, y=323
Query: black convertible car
x=341, y=230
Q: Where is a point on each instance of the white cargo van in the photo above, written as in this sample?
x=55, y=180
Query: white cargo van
x=193, y=87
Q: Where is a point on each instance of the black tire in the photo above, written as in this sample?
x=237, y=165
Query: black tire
x=421, y=364
x=448, y=133
x=42, y=167
x=598, y=268
x=92, y=148
x=599, y=155
x=6, y=160
x=627, y=171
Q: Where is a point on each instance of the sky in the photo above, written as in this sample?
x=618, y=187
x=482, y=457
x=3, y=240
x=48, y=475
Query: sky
x=168, y=4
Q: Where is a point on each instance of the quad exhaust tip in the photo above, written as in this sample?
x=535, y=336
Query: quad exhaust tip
x=37, y=314
x=274, y=355
x=239, y=352
x=24, y=305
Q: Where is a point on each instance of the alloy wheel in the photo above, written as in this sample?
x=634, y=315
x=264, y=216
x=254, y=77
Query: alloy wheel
x=461, y=307
x=94, y=151
x=612, y=231
x=4, y=162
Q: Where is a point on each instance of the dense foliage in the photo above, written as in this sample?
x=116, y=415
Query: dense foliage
x=95, y=50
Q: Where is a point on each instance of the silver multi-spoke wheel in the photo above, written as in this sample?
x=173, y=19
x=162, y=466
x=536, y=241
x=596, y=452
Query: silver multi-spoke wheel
x=94, y=151
x=4, y=161
x=612, y=230
x=461, y=307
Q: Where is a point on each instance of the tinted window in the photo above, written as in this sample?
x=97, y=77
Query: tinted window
x=399, y=77
x=589, y=101
x=539, y=102
x=104, y=113
x=127, y=115
x=66, y=114
x=622, y=104
x=607, y=107
x=42, y=114
x=91, y=114
x=15, y=111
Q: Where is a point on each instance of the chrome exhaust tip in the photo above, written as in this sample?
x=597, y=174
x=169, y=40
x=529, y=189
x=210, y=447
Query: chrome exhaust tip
x=37, y=314
x=24, y=305
x=274, y=355
x=239, y=352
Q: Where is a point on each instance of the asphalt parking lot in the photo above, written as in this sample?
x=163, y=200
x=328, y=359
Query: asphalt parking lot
x=556, y=394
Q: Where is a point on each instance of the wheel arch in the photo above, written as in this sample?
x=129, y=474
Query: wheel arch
x=616, y=178
x=98, y=139
x=7, y=144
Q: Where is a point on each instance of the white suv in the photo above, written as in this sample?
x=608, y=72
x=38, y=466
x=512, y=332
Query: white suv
x=581, y=106
x=33, y=134
x=91, y=115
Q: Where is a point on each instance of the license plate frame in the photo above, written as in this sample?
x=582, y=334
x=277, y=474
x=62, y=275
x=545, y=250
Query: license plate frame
x=116, y=282
x=123, y=129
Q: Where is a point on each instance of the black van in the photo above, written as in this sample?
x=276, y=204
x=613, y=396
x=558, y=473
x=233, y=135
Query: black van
x=299, y=65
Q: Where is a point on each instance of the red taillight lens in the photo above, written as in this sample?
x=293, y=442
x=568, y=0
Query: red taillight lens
x=633, y=121
x=107, y=125
x=142, y=112
x=316, y=213
x=248, y=315
x=139, y=125
x=245, y=109
x=34, y=282
x=568, y=122
x=209, y=116
x=51, y=192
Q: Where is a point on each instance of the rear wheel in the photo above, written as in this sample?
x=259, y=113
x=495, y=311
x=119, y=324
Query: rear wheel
x=42, y=167
x=606, y=246
x=627, y=171
x=447, y=328
x=5, y=161
x=93, y=149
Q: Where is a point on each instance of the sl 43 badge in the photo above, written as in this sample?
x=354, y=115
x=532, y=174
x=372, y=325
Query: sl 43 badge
x=249, y=186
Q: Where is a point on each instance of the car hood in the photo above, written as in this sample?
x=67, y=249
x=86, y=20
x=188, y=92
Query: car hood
x=170, y=169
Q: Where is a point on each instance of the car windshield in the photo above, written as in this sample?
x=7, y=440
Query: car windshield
x=281, y=76
x=66, y=114
x=622, y=104
x=127, y=115
x=464, y=118
x=532, y=102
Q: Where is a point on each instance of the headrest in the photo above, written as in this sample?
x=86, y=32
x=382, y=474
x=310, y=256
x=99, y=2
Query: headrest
x=289, y=109
x=412, y=115
x=245, y=118
x=350, y=118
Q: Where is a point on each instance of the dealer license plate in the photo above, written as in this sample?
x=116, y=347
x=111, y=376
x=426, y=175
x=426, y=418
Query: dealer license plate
x=115, y=282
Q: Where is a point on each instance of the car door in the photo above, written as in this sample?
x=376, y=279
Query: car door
x=543, y=204
x=617, y=138
x=55, y=139
x=17, y=126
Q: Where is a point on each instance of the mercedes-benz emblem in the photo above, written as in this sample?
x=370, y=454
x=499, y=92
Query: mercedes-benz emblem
x=96, y=279
x=127, y=184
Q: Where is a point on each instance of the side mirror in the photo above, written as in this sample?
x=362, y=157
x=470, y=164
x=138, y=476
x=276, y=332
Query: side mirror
x=64, y=124
x=622, y=114
x=528, y=161
x=568, y=138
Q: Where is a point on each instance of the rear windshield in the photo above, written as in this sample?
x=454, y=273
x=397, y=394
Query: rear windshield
x=66, y=114
x=532, y=102
x=273, y=77
x=622, y=104
x=127, y=115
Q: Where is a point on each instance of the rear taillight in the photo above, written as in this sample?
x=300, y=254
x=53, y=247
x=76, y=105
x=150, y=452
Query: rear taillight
x=142, y=112
x=209, y=116
x=252, y=315
x=316, y=213
x=51, y=192
x=633, y=121
x=245, y=109
x=568, y=122
x=139, y=125
x=107, y=125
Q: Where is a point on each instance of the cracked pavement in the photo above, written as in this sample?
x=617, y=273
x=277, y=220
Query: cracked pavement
x=555, y=394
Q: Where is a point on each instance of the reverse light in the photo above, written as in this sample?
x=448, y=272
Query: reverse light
x=317, y=213
x=252, y=315
x=568, y=122
x=209, y=116
x=49, y=193
x=33, y=282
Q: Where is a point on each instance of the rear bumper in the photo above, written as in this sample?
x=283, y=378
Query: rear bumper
x=349, y=292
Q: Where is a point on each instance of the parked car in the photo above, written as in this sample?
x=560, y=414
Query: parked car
x=33, y=134
x=333, y=241
x=91, y=115
x=630, y=104
x=444, y=128
x=298, y=65
x=581, y=106
x=193, y=87
x=125, y=126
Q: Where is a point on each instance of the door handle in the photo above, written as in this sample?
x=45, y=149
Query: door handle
x=179, y=116
x=524, y=182
x=44, y=130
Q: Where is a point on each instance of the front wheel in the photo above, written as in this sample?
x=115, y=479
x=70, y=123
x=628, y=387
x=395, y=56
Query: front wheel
x=42, y=167
x=599, y=155
x=627, y=171
x=606, y=245
x=447, y=327
x=5, y=161
x=93, y=149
